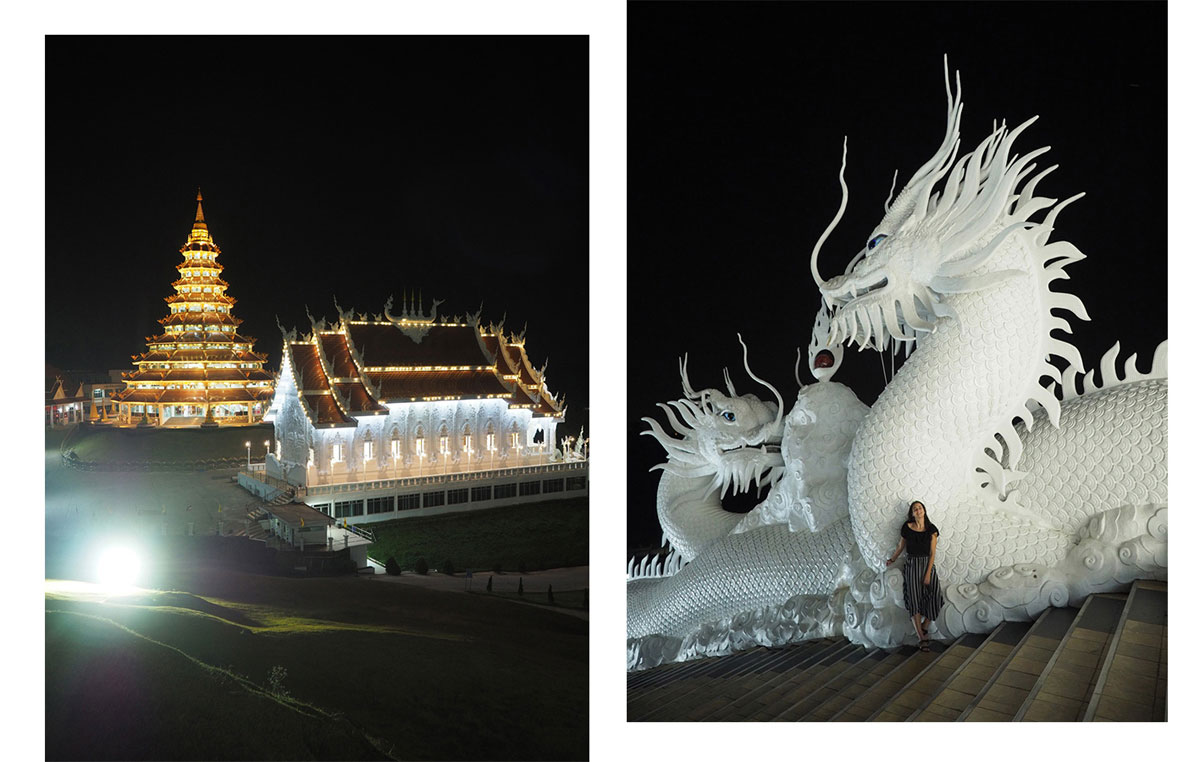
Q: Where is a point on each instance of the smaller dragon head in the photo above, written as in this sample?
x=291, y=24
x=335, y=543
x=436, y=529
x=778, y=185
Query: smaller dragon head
x=732, y=438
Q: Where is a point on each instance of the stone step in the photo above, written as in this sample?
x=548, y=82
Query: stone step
x=1061, y=692
x=1132, y=683
x=888, y=675
x=1105, y=661
x=795, y=672
x=946, y=659
x=970, y=677
x=789, y=706
x=796, y=681
x=686, y=695
x=839, y=691
x=856, y=708
x=1002, y=697
x=709, y=676
x=639, y=683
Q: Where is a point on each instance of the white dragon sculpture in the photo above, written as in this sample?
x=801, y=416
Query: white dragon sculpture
x=1047, y=485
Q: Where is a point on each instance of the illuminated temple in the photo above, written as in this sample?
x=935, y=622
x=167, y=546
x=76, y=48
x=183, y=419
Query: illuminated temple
x=389, y=413
x=199, y=368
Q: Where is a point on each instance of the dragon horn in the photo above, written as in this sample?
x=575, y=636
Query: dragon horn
x=683, y=374
x=778, y=396
x=729, y=384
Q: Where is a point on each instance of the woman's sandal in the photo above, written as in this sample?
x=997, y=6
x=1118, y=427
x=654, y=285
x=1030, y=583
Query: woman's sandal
x=923, y=645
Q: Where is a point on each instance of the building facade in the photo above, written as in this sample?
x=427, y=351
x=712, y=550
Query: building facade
x=76, y=396
x=377, y=415
x=199, y=369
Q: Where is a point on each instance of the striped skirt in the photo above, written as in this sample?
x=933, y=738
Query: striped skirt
x=920, y=598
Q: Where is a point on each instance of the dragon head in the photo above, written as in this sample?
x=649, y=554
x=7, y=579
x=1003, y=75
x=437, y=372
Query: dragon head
x=732, y=438
x=939, y=237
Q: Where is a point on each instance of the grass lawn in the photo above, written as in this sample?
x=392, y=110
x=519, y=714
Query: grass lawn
x=168, y=445
x=538, y=535
x=373, y=671
x=567, y=599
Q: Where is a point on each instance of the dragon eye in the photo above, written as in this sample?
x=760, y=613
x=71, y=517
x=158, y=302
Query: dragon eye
x=876, y=241
x=728, y=416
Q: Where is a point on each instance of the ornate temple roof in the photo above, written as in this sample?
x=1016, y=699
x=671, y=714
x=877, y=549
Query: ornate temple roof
x=413, y=386
x=388, y=345
x=348, y=369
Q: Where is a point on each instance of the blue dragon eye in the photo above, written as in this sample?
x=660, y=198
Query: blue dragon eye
x=728, y=416
x=876, y=241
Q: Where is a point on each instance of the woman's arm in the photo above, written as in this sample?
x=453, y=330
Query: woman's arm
x=932, y=553
x=899, y=549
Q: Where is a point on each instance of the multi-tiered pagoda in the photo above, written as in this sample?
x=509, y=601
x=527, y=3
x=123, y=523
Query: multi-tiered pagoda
x=199, y=369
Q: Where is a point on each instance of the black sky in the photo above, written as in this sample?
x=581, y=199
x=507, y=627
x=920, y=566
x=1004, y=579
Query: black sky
x=736, y=119
x=347, y=167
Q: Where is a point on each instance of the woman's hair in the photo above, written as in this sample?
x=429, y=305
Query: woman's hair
x=916, y=503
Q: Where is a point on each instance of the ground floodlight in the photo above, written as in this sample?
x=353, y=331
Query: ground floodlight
x=118, y=567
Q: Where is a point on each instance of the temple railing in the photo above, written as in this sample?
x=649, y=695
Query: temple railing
x=464, y=477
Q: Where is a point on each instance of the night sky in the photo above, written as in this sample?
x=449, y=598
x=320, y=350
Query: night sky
x=345, y=167
x=736, y=119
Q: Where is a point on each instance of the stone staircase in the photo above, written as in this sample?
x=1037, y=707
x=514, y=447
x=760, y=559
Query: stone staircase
x=1105, y=661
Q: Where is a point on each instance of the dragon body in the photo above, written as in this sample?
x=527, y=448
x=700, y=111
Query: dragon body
x=1047, y=485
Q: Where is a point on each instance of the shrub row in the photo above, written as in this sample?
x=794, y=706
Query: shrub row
x=208, y=464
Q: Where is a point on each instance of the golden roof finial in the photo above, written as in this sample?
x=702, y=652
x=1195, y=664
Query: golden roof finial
x=199, y=210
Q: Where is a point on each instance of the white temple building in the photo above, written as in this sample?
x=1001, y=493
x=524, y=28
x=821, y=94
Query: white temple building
x=413, y=414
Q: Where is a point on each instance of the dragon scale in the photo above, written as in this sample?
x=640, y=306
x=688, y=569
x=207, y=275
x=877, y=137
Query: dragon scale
x=921, y=438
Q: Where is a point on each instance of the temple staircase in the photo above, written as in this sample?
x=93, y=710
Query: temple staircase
x=284, y=497
x=1105, y=661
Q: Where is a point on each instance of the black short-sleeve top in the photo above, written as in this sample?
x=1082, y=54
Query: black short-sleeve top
x=917, y=543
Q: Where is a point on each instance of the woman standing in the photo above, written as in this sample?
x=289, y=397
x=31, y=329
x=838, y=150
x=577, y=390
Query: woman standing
x=922, y=591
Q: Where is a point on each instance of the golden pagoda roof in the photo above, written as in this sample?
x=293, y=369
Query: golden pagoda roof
x=198, y=280
x=200, y=318
x=180, y=375
x=210, y=338
x=198, y=355
x=201, y=298
x=192, y=396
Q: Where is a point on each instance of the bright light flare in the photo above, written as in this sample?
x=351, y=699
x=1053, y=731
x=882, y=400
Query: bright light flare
x=118, y=568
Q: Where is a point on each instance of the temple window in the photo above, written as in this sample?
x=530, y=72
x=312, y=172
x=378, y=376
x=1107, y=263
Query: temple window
x=368, y=450
x=337, y=452
x=396, y=447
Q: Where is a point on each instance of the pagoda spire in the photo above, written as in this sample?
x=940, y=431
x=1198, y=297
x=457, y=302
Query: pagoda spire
x=199, y=223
